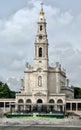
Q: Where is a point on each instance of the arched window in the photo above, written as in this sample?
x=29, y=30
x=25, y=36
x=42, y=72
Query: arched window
x=39, y=81
x=28, y=101
x=39, y=101
x=51, y=101
x=20, y=101
x=40, y=52
x=59, y=101
x=40, y=27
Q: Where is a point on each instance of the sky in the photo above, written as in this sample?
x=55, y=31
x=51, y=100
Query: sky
x=18, y=28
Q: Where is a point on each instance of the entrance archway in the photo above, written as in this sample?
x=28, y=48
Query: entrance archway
x=59, y=105
x=51, y=102
x=20, y=105
x=28, y=106
x=39, y=105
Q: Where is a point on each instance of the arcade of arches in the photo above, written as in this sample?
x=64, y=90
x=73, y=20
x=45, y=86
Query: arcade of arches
x=70, y=105
x=39, y=106
x=51, y=106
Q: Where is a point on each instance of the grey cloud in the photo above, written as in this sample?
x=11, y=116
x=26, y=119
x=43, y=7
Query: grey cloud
x=71, y=5
x=9, y=7
x=71, y=61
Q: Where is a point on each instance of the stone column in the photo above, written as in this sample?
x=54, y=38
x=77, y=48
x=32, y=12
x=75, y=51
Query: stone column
x=47, y=108
x=70, y=106
x=4, y=107
x=65, y=108
x=24, y=107
x=57, y=82
x=16, y=107
x=56, y=107
x=58, y=67
x=32, y=107
x=10, y=108
x=76, y=106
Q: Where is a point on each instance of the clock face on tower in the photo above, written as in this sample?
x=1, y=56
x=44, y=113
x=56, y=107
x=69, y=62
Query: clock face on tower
x=40, y=36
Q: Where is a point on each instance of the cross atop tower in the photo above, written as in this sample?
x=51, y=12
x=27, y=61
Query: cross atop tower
x=41, y=6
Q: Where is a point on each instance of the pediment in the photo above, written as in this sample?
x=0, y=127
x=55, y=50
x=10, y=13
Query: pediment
x=39, y=94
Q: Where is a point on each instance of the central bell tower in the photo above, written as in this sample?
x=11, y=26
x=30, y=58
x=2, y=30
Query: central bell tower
x=41, y=43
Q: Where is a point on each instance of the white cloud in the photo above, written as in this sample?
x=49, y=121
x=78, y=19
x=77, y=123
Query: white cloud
x=13, y=83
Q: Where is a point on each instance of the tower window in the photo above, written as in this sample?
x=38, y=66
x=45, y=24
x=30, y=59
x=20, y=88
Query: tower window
x=40, y=27
x=39, y=81
x=40, y=52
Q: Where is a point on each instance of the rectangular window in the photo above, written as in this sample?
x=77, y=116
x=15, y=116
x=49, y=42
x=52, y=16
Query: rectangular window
x=73, y=106
x=79, y=106
x=67, y=106
x=6, y=104
x=1, y=104
x=40, y=27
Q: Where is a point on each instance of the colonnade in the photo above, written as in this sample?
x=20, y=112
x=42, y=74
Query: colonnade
x=10, y=105
x=38, y=107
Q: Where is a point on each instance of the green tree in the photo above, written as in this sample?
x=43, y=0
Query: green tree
x=5, y=91
x=77, y=92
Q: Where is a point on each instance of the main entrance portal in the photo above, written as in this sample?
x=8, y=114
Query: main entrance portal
x=39, y=105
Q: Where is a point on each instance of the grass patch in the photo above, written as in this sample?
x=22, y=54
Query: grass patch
x=34, y=116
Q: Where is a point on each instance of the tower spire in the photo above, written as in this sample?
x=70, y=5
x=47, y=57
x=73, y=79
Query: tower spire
x=41, y=6
x=42, y=12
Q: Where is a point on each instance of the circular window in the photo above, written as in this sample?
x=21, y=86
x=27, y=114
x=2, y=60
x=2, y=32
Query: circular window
x=40, y=36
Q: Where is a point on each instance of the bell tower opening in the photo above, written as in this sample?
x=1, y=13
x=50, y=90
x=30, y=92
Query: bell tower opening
x=40, y=52
x=40, y=27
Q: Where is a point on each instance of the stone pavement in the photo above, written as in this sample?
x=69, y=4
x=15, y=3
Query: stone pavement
x=38, y=128
x=71, y=123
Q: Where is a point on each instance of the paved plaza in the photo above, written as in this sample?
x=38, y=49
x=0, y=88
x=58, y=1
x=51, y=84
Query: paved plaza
x=70, y=121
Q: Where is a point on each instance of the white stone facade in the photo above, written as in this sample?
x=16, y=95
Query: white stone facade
x=42, y=83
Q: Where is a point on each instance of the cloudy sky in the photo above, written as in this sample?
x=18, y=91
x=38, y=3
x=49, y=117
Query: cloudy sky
x=18, y=26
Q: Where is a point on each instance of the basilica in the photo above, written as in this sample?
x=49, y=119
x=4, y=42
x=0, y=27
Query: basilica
x=44, y=88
